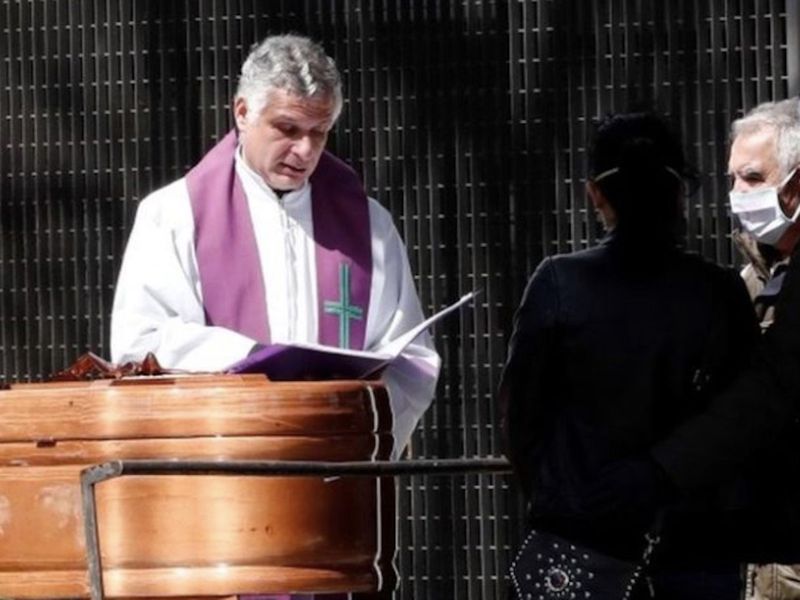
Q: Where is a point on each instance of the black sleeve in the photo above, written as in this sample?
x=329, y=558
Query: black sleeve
x=748, y=415
x=740, y=329
x=525, y=404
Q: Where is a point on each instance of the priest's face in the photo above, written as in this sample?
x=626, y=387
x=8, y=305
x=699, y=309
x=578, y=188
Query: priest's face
x=283, y=143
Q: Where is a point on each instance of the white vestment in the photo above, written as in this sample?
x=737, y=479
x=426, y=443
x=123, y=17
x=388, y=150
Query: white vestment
x=158, y=305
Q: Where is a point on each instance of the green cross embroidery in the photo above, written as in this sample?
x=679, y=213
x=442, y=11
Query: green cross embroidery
x=343, y=308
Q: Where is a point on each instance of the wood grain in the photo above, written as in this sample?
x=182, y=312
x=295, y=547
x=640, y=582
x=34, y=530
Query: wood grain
x=194, y=536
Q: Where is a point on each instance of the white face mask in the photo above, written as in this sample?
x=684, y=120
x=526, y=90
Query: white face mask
x=760, y=212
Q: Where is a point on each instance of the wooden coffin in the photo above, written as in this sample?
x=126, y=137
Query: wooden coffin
x=194, y=536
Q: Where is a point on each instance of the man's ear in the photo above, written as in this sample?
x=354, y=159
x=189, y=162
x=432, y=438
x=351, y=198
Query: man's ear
x=794, y=184
x=240, y=113
x=790, y=194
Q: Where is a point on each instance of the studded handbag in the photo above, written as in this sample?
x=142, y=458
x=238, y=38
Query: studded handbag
x=548, y=567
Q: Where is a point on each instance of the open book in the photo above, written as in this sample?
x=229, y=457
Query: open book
x=307, y=361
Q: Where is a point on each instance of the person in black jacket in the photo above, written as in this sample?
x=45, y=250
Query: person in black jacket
x=613, y=348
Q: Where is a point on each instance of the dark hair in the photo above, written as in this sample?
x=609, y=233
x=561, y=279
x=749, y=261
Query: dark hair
x=646, y=189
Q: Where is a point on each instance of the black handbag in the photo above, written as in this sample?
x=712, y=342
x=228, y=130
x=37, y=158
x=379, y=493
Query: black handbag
x=548, y=567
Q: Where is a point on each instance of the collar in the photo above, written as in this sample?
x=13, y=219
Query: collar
x=774, y=284
x=764, y=265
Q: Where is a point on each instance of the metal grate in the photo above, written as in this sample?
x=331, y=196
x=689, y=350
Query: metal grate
x=467, y=119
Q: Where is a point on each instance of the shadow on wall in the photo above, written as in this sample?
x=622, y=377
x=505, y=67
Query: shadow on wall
x=52, y=221
x=450, y=161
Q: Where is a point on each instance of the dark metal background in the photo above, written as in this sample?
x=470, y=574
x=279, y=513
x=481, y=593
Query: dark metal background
x=467, y=119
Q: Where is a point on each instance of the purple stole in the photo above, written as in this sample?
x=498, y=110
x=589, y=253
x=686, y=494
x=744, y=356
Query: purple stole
x=227, y=256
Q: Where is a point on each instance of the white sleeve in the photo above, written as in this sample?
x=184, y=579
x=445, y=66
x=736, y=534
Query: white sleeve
x=394, y=309
x=157, y=303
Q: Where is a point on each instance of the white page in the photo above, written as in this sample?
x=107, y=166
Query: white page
x=397, y=345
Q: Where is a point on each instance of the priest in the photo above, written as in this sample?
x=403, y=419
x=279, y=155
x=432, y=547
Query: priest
x=271, y=239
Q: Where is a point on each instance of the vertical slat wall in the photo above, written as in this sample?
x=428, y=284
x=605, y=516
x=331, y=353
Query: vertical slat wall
x=468, y=120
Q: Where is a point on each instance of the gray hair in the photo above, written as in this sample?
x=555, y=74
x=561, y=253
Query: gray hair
x=292, y=63
x=784, y=118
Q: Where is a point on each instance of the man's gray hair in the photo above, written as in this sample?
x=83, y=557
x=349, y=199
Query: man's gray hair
x=784, y=118
x=292, y=63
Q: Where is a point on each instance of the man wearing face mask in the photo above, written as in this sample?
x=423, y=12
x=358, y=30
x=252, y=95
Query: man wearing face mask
x=765, y=196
